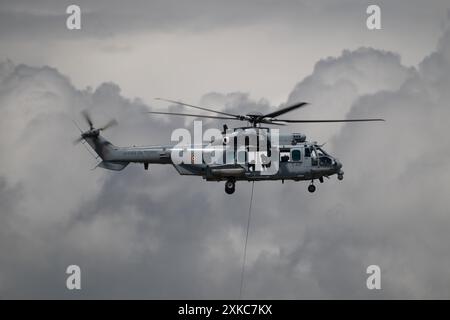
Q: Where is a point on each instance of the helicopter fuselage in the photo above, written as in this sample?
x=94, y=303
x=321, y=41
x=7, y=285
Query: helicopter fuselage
x=248, y=153
x=293, y=158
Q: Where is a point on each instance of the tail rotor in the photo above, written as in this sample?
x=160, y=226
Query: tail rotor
x=93, y=132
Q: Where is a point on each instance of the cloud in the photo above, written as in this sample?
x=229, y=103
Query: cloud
x=139, y=234
x=393, y=208
x=56, y=212
x=336, y=83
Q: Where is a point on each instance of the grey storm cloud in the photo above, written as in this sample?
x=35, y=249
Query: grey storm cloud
x=139, y=234
x=337, y=83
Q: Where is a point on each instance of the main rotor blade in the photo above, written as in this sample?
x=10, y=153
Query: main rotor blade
x=285, y=110
x=196, y=107
x=331, y=120
x=110, y=124
x=192, y=115
x=87, y=117
x=271, y=122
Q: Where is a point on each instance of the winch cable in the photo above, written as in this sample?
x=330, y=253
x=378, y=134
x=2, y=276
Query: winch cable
x=246, y=240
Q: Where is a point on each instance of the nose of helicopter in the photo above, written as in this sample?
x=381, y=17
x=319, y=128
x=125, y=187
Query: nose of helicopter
x=338, y=164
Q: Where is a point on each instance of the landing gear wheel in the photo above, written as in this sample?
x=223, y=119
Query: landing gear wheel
x=340, y=176
x=229, y=187
x=311, y=188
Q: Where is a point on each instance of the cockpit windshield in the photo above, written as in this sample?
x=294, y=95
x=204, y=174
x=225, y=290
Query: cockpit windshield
x=324, y=158
x=320, y=151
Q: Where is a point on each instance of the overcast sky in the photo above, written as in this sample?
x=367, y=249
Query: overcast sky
x=154, y=234
x=182, y=49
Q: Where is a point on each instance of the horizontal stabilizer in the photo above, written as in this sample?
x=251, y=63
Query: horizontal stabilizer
x=110, y=165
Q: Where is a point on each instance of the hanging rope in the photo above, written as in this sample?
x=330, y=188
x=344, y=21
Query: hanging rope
x=246, y=240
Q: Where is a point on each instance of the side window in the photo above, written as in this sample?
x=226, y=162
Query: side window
x=229, y=157
x=242, y=157
x=296, y=155
x=307, y=152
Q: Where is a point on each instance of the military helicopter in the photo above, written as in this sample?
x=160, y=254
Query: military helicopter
x=256, y=158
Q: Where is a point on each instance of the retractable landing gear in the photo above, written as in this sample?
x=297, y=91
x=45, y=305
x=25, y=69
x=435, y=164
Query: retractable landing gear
x=230, y=186
x=312, y=187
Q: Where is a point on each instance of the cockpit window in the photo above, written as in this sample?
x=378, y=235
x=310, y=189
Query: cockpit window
x=325, y=161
